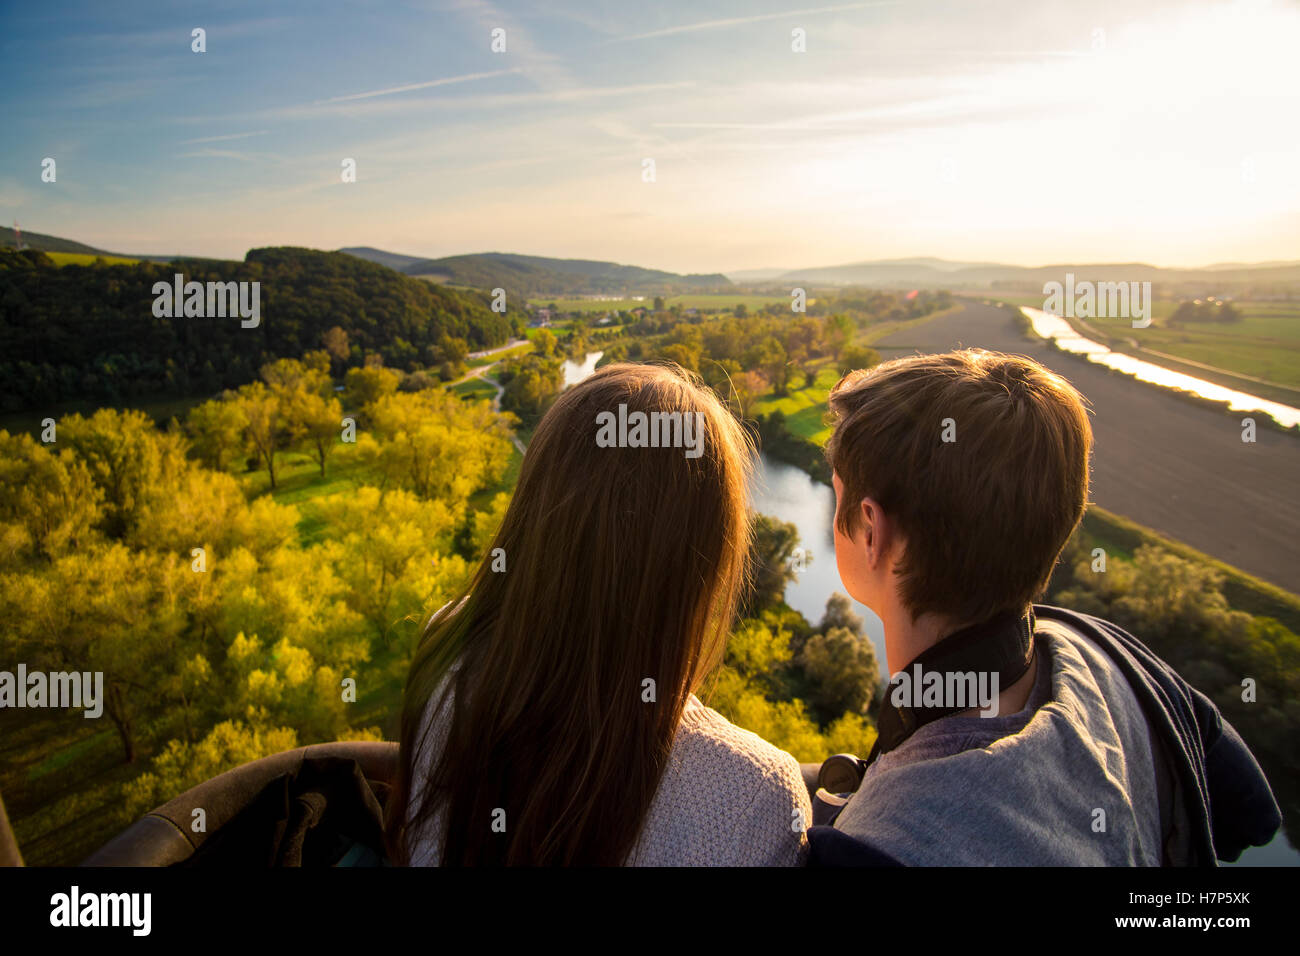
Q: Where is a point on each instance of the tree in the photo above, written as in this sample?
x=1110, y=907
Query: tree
x=837, y=333
x=265, y=425
x=450, y=353
x=769, y=560
x=128, y=459
x=719, y=376
x=545, y=343
x=390, y=550
x=363, y=386
x=682, y=355
x=856, y=357
x=769, y=356
x=531, y=385
x=103, y=610
x=843, y=672
x=216, y=431
x=287, y=376
x=840, y=613
x=749, y=386
x=335, y=341
x=183, y=765
x=320, y=421
x=49, y=503
x=437, y=446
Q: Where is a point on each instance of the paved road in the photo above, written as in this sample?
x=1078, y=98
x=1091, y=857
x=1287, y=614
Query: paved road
x=1162, y=461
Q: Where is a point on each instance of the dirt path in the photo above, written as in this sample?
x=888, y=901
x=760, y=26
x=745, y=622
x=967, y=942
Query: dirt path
x=496, y=401
x=1160, y=460
x=482, y=372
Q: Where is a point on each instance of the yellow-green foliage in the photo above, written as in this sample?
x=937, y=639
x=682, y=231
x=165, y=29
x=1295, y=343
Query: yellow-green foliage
x=182, y=765
x=221, y=637
x=88, y=259
x=741, y=690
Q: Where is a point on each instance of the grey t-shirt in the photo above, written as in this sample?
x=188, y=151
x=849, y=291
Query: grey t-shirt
x=1072, y=779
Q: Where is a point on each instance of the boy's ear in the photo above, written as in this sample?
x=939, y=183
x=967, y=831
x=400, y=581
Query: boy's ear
x=872, y=539
x=879, y=534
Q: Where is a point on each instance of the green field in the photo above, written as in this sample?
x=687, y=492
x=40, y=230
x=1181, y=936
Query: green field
x=472, y=389
x=707, y=302
x=1264, y=345
x=498, y=356
x=86, y=259
x=804, y=408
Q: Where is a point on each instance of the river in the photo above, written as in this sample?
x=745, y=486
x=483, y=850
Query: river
x=575, y=372
x=1058, y=330
x=790, y=494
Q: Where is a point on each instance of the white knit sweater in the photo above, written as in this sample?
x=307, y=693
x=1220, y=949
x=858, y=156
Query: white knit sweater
x=727, y=798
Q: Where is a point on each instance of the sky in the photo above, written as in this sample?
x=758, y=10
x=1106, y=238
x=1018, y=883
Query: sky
x=1031, y=132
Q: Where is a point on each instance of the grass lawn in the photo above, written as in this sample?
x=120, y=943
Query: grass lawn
x=472, y=389
x=805, y=408
x=86, y=259
x=498, y=356
x=298, y=482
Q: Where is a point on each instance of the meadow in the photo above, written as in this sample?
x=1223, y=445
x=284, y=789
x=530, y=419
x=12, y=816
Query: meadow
x=1263, y=349
x=87, y=259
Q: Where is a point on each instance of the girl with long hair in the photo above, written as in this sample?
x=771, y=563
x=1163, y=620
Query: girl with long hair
x=550, y=715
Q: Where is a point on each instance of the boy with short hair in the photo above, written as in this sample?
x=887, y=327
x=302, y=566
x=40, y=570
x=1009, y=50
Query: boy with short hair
x=958, y=479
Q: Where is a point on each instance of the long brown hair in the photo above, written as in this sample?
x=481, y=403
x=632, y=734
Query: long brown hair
x=623, y=565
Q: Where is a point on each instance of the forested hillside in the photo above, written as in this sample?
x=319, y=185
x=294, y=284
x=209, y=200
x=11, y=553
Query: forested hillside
x=90, y=333
x=544, y=276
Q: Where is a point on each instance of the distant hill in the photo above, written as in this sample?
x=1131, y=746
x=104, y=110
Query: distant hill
x=36, y=240
x=927, y=273
x=539, y=276
x=393, y=260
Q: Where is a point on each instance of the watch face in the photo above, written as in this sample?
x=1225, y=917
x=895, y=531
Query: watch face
x=839, y=774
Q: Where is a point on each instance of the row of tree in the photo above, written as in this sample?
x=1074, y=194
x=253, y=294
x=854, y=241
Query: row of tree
x=1205, y=311
x=90, y=333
